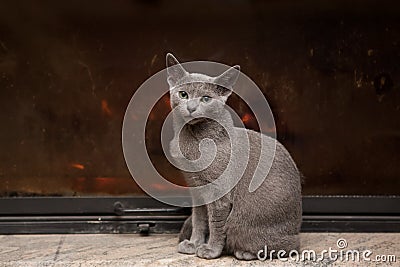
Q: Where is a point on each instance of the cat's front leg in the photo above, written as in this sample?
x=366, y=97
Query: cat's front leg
x=218, y=213
x=199, y=231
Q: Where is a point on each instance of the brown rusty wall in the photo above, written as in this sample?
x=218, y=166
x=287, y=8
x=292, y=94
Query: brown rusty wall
x=330, y=70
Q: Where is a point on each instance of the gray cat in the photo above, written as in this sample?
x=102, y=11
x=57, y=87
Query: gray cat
x=240, y=222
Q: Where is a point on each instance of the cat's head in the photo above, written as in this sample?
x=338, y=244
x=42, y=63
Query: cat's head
x=195, y=95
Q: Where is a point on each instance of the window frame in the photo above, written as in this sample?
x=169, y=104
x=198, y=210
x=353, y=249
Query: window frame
x=39, y=215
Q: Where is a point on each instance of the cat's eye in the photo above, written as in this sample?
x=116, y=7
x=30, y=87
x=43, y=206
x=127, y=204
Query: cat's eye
x=183, y=95
x=205, y=98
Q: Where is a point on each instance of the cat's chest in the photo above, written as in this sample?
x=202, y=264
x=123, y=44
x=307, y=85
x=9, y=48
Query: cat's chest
x=192, y=147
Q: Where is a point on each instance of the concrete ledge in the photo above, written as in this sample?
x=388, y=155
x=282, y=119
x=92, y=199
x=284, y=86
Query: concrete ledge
x=160, y=250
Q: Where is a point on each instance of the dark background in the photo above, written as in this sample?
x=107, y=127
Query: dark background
x=330, y=70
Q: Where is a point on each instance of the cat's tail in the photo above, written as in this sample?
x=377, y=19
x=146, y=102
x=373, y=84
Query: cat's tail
x=186, y=230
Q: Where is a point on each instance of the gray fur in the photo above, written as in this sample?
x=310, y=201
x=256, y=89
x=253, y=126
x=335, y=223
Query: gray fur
x=240, y=223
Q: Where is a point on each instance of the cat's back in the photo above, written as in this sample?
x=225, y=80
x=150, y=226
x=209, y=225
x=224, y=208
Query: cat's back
x=266, y=152
x=281, y=180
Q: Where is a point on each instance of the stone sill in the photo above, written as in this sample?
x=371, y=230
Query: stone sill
x=160, y=250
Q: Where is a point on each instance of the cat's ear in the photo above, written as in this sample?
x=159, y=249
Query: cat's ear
x=175, y=70
x=228, y=78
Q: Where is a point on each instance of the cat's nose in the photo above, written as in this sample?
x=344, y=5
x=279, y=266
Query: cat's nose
x=191, y=106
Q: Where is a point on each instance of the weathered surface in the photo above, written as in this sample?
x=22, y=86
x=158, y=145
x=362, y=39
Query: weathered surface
x=160, y=250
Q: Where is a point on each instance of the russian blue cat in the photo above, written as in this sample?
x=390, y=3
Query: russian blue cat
x=240, y=222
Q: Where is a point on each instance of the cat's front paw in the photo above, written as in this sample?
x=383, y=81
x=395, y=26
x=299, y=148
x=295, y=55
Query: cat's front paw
x=186, y=247
x=207, y=252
